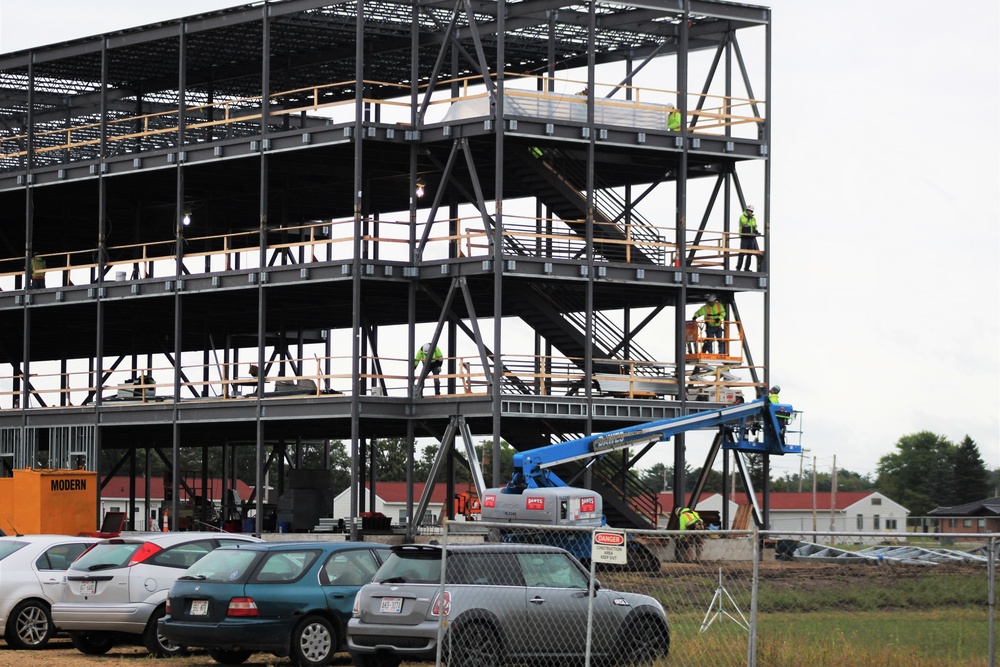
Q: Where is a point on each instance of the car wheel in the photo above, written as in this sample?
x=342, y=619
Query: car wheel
x=226, y=657
x=314, y=642
x=374, y=660
x=645, y=641
x=158, y=645
x=29, y=626
x=473, y=645
x=92, y=643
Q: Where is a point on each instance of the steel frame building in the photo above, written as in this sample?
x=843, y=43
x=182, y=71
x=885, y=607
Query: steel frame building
x=244, y=188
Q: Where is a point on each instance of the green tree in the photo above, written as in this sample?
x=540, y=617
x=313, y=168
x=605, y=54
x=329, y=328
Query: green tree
x=972, y=479
x=919, y=475
x=390, y=458
x=340, y=467
x=463, y=475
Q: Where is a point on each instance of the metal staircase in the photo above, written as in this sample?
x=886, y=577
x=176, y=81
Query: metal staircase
x=558, y=180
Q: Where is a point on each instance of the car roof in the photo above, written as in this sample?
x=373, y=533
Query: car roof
x=479, y=548
x=326, y=545
x=47, y=539
x=174, y=538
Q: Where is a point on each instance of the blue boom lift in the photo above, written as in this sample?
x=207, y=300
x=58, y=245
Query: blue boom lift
x=536, y=495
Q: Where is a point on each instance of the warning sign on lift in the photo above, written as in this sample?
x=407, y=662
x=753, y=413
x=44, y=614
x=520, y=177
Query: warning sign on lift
x=609, y=547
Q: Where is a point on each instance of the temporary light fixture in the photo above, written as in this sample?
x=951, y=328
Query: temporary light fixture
x=420, y=188
x=186, y=219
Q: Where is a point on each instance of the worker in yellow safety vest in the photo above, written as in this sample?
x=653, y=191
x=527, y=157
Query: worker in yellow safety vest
x=784, y=418
x=689, y=548
x=748, y=239
x=673, y=119
x=37, y=271
x=690, y=520
x=433, y=361
x=715, y=314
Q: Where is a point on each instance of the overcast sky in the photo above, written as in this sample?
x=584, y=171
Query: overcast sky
x=886, y=234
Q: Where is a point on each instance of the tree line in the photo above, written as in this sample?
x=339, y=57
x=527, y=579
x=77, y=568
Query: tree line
x=925, y=470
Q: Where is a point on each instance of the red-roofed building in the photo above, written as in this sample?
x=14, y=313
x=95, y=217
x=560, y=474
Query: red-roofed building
x=391, y=500
x=115, y=494
x=866, y=511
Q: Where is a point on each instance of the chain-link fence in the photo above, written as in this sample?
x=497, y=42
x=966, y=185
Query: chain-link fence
x=729, y=598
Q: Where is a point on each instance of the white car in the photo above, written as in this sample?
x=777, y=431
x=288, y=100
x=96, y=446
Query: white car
x=117, y=591
x=31, y=574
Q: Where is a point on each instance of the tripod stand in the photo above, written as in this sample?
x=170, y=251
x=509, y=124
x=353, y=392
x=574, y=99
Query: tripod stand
x=718, y=605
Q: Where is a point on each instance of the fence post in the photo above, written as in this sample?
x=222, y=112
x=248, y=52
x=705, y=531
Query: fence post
x=590, y=603
x=991, y=562
x=443, y=617
x=755, y=581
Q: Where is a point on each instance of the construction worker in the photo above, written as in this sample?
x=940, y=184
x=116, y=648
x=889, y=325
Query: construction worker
x=433, y=363
x=37, y=271
x=715, y=315
x=783, y=417
x=748, y=239
x=673, y=118
x=690, y=520
x=689, y=547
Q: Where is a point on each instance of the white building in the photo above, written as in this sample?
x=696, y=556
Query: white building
x=848, y=511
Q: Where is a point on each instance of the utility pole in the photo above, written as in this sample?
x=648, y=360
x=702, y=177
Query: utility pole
x=801, y=456
x=833, y=494
x=814, y=499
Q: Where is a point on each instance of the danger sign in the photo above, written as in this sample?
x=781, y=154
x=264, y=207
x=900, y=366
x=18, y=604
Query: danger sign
x=609, y=547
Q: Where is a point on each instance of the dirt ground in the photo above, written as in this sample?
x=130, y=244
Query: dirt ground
x=60, y=653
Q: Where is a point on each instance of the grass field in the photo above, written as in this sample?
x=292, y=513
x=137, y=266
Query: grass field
x=829, y=616
x=938, y=638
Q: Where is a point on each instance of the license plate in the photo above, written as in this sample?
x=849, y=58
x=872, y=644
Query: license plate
x=199, y=607
x=88, y=587
x=391, y=605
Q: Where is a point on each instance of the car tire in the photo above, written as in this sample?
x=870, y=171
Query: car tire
x=374, y=660
x=158, y=645
x=229, y=657
x=92, y=643
x=314, y=642
x=474, y=645
x=29, y=627
x=645, y=641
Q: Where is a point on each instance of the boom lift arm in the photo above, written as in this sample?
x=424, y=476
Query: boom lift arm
x=532, y=468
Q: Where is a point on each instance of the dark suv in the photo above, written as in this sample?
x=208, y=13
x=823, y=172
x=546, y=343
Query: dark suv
x=500, y=603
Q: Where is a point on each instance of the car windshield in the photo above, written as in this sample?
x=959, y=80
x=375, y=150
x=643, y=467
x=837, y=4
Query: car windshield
x=230, y=565
x=423, y=567
x=9, y=547
x=106, y=556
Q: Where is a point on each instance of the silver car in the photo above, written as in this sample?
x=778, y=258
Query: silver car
x=117, y=591
x=31, y=574
x=501, y=603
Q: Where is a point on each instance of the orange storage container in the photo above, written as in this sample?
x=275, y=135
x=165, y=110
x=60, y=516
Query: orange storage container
x=49, y=501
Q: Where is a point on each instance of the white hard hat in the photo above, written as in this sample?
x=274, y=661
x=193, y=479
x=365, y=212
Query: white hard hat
x=426, y=348
x=711, y=297
x=750, y=207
